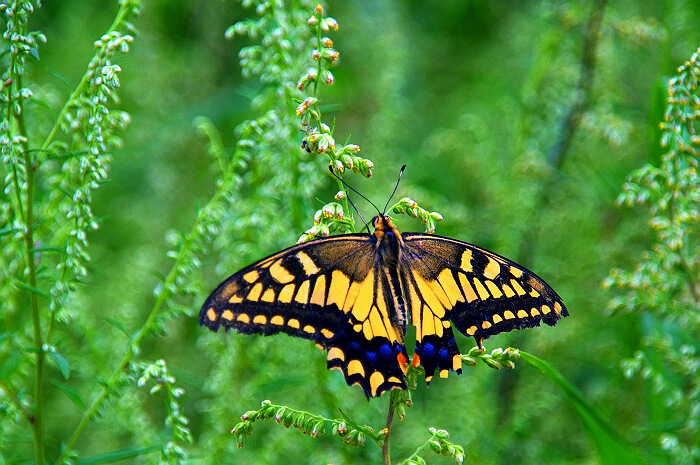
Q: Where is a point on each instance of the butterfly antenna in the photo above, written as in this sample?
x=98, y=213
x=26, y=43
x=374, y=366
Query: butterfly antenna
x=358, y=212
x=395, y=187
x=330, y=168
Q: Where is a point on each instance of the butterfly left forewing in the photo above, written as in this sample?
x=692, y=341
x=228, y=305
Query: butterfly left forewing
x=482, y=293
x=329, y=291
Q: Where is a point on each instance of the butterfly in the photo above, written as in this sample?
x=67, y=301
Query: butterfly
x=355, y=294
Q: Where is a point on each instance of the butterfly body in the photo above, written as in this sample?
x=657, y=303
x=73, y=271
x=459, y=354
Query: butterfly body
x=354, y=294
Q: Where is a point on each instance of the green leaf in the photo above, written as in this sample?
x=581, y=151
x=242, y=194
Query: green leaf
x=71, y=393
x=611, y=447
x=47, y=248
x=62, y=363
x=10, y=364
x=117, y=455
x=4, y=232
x=119, y=326
x=28, y=288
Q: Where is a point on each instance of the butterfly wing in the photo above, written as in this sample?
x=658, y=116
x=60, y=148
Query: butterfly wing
x=447, y=282
x=331, y=291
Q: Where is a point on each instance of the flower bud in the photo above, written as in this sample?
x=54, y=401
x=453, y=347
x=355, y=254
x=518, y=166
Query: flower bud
x=475, y=352
x=329, y=23
x=327, y=77
x=249, y=415
x=347, y=161
x=328, y=211
x=329, y=54
x=304, y=106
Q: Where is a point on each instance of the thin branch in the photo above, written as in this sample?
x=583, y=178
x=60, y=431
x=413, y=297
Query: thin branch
x=386, y=450
x=555, y=158
x=146, y=327
x=582, y=101
x=124, y=11
x=38, y=423
x=18, y=404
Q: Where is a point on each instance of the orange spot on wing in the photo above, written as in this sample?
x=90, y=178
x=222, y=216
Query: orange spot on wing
x=402, y=362
x=416, y=360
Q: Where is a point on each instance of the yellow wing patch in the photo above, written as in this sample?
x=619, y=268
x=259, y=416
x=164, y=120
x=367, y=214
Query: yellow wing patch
x=327, y=291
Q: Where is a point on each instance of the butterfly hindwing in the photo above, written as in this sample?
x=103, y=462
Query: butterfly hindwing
x=429, y=307
x=330, y=291
x=483, y=294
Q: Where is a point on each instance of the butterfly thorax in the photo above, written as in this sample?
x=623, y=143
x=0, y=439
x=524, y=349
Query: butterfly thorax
x=388, y=240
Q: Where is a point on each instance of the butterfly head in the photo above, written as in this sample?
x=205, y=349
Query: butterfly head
x=384, y=229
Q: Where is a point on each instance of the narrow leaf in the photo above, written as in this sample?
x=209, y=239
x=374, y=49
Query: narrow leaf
x=28, y=288
x=71, y=393
x=119, y=326
x=117, y=455
x=47, y=248
x=611, y=447
x=10, y=364
x=62, y=363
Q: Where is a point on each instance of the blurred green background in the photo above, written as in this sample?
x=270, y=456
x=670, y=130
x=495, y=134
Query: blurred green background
x=470, y=96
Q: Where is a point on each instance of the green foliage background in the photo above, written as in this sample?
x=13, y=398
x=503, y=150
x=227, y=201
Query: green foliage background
x=470, y=96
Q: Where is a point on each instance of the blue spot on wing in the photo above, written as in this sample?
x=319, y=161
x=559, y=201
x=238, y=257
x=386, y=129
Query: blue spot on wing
x=371, y=357
x=385, y=352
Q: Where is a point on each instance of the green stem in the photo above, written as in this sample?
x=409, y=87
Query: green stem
x=124, y=11
x=16, y=401
x=28, y=217
x=319, y=69
x=688, y=271
x=386, y=450
x=418, y=451
x=8, y=117
x=145, y=328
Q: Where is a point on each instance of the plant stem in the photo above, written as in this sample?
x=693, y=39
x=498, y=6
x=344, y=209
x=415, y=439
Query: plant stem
x=386, y=450
x=145, y=328
x=16, y=401
x=688, y=271
x=416, y=454
x=37, y=423
x=124, y=11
